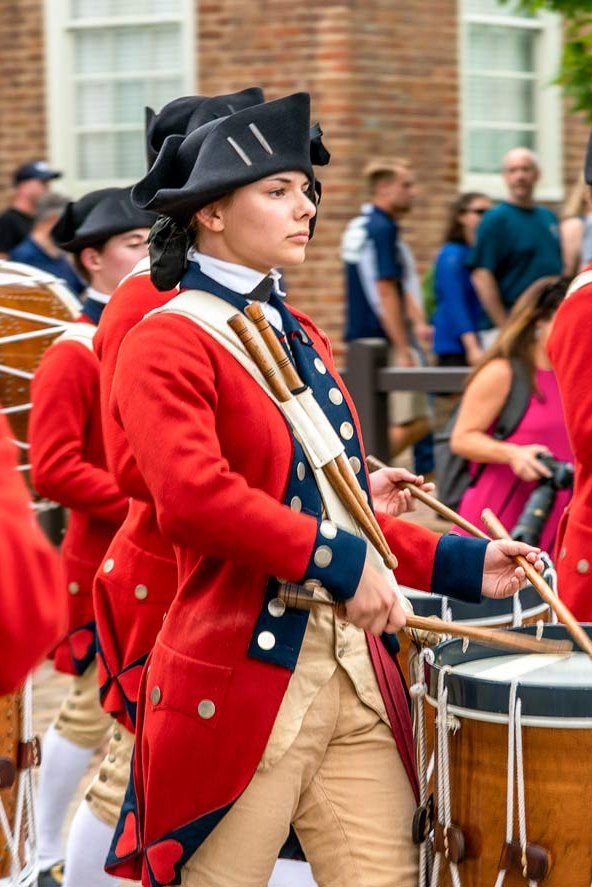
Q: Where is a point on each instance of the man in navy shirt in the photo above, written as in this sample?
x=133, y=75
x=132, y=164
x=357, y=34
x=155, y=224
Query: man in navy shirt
x=517, y=241
x=39, y=249
x=31, y=181
x=379, y=303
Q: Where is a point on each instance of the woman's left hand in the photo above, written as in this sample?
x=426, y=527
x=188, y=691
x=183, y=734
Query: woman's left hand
x=388, y=496
x=501, y=576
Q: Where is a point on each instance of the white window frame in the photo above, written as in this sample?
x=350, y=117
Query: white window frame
x=548, y=108
x=60, y=91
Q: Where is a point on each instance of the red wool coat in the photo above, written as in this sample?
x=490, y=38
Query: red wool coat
x=217, y=457
x=69, y=467
x=569, y=350
x=34, y=615
x=132, y=597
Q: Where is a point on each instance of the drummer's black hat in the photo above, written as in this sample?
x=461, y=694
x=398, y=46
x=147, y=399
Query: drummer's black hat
x=227, y=153
x=187, y=113
x=588, y=162
x=96, y=217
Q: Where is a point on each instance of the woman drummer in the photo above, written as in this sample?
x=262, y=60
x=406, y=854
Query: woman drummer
x=107, y=235
x=254, y=715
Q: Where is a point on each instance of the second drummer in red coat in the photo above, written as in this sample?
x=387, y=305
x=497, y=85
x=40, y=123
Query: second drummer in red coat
x=107, y=235
x=255, y=714
x=569, y=349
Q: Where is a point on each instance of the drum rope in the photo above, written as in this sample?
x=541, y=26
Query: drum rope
x=515, y=765
x=516, y=610
x=443, y=779
x=418, y=691
x=446, y=612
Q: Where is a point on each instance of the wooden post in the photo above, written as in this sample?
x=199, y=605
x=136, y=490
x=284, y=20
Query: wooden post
x=365, y=357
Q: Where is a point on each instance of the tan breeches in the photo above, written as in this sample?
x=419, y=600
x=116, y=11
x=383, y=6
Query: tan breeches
x=343, y=786
x=81, y=720
x=106, y=792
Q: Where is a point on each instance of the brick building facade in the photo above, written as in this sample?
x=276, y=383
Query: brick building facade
x=385, y=79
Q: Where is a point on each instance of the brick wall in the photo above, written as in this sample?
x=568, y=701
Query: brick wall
x=380, y=83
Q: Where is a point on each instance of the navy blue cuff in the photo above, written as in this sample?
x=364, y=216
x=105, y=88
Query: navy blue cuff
x=337, y=560
x=458, y=568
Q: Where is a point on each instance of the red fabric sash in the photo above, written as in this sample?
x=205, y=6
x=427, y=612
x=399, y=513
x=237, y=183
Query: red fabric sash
x=396, y=700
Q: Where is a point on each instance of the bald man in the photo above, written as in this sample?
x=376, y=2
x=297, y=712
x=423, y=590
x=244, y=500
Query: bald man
x=517, y=241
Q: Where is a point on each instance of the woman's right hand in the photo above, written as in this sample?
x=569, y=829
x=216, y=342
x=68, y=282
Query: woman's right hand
x=524, y=463
x=375, y=606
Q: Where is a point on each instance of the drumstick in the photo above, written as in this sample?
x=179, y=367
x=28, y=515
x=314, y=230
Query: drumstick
x=297, y=386
x=303, y=598
x=281, y=391
x=431, y=501
x=564, y=614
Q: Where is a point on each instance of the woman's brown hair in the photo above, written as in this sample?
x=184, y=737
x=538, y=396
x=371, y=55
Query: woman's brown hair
x=454, y=232
x=517, y=337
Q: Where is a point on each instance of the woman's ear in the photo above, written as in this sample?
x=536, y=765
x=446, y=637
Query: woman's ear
x=211, y=216
x=90, y=258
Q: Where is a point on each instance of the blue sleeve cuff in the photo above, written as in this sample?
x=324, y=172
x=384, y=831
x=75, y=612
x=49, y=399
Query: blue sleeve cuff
x=458, y=568
x=337, y=560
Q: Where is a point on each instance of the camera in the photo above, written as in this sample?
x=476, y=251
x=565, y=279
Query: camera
x=540, y=502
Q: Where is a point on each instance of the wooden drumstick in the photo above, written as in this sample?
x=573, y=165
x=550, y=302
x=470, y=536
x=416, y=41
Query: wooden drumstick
x=297, y=386
x=304, y=598
x=281, y=391
x=431, y=501
x=564, y=614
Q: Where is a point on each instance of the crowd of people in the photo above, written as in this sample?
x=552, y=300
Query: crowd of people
x=255, y=729
x=487, y=298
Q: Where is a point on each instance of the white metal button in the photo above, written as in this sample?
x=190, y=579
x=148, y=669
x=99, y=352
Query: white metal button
x=206, y=709
x=328, y=530
x=346, y=430
x=335, y=396
x=355, y=464
x=108, y=565
x=301, y=471
x=296, y=503
x=266, y=640
x=323, y=556
x=141, y=592
x=320, y=366
x=155, y=696
x=276, y=607
x=73, y=587
x=583, y=566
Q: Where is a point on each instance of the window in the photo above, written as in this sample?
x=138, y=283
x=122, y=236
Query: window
x=508, y=62
x=107, y=60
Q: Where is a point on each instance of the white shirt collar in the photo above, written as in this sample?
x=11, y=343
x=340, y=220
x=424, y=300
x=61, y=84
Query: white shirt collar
x=96, y=296
x=238, y=278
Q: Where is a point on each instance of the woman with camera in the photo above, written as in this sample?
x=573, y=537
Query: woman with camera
x=506, y=471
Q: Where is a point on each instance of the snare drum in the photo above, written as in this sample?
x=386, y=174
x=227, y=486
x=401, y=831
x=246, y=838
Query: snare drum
x=513, y=765
x=19, y=753
x=35, y=308
x=524, y=608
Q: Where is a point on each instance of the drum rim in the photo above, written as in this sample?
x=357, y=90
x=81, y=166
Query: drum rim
x=480, y=694
x=489, y=612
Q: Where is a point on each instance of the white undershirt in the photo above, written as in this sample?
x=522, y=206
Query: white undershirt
x=240, y=279
x=96, y=296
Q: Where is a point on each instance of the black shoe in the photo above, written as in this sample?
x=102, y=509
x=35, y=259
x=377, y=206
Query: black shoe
x=52, y=877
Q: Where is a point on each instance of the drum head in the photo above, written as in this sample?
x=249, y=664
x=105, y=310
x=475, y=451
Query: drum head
x=550, y=686
x=27, y=297
x=490, y=611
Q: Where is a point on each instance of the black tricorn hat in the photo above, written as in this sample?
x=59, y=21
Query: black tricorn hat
x=183, y=115
x=227, y=153
x=588, y=162
x=98, y=216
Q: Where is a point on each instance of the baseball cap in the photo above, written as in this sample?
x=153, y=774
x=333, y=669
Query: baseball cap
x=35, y=169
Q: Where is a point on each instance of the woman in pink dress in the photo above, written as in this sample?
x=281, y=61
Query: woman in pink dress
x=512, y=468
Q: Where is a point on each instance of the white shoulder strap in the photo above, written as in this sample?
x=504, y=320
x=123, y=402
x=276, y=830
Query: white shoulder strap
x=578, y=282
x=79, y=332
x=304, y=416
